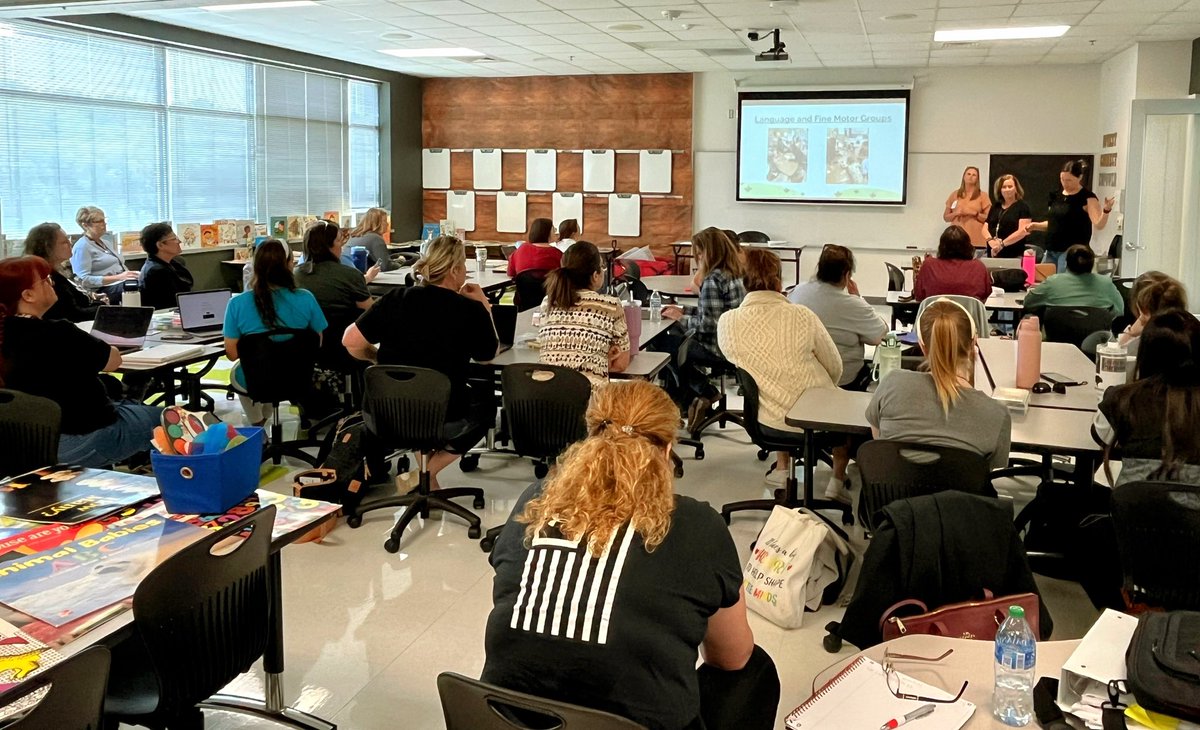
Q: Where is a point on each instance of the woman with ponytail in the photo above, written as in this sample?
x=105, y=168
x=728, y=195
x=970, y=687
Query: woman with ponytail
x=581, y=328
x=941, y=407
x=607, y=583
x=1071, y=215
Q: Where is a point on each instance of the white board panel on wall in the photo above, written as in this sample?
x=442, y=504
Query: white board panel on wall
x=460, y=208
x=435, y=168
x=541, y=169
x=654, y=171
x=564, y=206
x=510, y=212
x=486, y=166
x=625, y=214
x=599, y=171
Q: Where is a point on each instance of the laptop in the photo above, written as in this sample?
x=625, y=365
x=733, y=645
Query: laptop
x=202, y=313
x=124, y=328
x=1001, y=263
x=504, y=316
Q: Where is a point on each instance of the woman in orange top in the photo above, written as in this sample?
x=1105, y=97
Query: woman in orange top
x=968, y=207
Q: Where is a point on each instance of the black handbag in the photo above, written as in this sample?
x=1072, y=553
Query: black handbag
x=1163, y=663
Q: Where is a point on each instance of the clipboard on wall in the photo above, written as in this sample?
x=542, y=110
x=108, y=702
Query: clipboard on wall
x=541, y=169
x=567, y=205
x=624, y=214
x=654, y=171
x=510, y=212
x=486, y=167
x=599, y=171
x=460, y=208
x=435, y=168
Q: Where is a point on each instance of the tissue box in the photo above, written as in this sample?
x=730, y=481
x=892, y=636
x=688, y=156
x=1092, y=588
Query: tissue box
x=1015, y=399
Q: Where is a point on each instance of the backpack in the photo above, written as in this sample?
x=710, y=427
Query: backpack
x=1164, y=673
x=343, y=471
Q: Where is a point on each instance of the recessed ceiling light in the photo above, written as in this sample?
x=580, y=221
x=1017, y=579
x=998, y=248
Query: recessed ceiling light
x=899, y=16
x=395, y=35
x=431, y=52
x=1000, y=34
x=625, y=27
x=258, y=6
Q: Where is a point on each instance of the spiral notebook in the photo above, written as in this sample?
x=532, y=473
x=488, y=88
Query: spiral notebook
x=858, y=697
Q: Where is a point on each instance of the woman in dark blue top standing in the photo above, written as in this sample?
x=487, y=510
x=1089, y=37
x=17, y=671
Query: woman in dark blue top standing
x=1073, y=212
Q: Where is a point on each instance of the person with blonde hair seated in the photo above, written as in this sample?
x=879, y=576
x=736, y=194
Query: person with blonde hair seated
x=608, y=583
x=1153, y=293
x=369, y=234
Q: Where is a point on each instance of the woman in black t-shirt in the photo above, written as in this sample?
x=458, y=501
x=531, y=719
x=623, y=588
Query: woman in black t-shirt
x=75, y=304
x=1007, y=220
x=57, y=360
x=1073, y=213
x=607, y=583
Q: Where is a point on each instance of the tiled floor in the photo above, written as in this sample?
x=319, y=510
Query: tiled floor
x=368, y=632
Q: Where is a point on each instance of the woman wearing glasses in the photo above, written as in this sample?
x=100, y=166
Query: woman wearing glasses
x=49, y=241
x=100, y=266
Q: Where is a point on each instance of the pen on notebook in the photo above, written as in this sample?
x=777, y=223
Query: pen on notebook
x=916, y=714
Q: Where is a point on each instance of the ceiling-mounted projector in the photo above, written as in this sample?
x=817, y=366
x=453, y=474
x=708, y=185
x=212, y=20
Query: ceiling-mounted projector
x=777, y=52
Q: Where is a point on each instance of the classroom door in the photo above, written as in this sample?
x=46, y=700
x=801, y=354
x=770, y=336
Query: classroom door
x=1162, y=197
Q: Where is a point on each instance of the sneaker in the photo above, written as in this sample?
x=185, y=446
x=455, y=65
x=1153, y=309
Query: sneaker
x=838, y=490
x=776, y=477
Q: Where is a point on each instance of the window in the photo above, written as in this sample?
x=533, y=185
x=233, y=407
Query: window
x=149, y=132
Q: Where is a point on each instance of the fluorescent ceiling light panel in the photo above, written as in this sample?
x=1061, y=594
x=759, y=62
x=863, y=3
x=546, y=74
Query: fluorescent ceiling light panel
x=259, y=6
x=432, y=52
x=1000, y=34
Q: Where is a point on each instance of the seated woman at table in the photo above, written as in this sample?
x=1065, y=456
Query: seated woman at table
x=57, y=360
x=1152, y=421
x=369, y=234
x=164, y=274
x=1153, y=293
x=75, y=304
x=954, y=271
x=99, y=265
x=340, y=290
x=581, y=328
x=248, y=267
x=942, y=407
x=442, y=323
x=273, y=301
x=1078, y=286
x=782, y=345
x=567, y=231
x=676, y=587
x=536, y=253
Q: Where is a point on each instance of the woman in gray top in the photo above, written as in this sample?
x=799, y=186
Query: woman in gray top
x=369, y=235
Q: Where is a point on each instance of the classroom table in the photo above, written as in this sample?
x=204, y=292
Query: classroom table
x=672, y=285
x=492, y=280
x=902, y=302
x=996, y=367
x=795, y=249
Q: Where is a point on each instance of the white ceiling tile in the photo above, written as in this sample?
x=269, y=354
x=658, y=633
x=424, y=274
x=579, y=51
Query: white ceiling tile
x=515, y=32
x=1190, y=17
x=574, y=30
x=639, y=36
x=421, y=22
x=1119, y=6
x=1172, y=32
x=581, y=4
x=509, y=6
x=456, y=34
x=607, y=15
x=481, y=20
x=1124, y=19
x=1056, y=8
x=442, y=7
x=540, y=16
x=763, y=20
x=885, y=7
x=981, y=16
x=704, y=34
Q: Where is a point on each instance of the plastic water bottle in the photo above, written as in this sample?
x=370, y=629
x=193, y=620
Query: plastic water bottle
x=1016, y=656
x=655, y=307
x=481, y=257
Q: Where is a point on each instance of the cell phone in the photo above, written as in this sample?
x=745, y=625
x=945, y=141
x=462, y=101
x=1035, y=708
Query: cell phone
x=175, y=338
x=1060, y=378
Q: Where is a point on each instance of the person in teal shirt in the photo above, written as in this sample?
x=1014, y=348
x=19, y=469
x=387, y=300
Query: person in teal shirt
x=1077, y=286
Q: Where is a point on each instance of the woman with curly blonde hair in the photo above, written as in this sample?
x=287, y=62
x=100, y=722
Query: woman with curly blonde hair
x=607, y=583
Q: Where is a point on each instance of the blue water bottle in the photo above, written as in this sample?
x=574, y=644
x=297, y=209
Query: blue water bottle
x=1016, y=658
x=358, y=254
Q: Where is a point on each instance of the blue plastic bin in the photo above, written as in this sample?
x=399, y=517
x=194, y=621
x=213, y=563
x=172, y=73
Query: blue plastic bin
x=209, y=484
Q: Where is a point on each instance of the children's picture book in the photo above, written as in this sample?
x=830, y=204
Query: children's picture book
x=208, y=236
x=306, y=222
x=131, y=242
x=260, y=229
x=278, y=227
x=227, y=234
x=22, y=656
x=347, y=221
x=295, y=228
x=291, y=513
x=332, y=216
x=70, y=495
x=34, y=537
x=245, y=232
x=189, y=235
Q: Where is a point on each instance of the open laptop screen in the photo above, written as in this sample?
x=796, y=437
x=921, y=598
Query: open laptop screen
x=122, y=327
x=203, y=311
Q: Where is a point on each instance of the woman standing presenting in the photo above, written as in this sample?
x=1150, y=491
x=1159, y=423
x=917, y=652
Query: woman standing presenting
x=99, y=266
x=968, y=207
x=1007, y=220
x=1074, y=212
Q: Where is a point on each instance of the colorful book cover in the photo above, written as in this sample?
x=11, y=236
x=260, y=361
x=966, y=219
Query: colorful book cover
x=332, y=216
x=35, y=538
x=278, y=227
x=260, y=229
x=189, y=234
x=63, y=584
x=306, y=222
x=131, y=242
x=208, y=236
x=22, y=656
x=291, y=513
x=295, y=228
x=347, y=221
x=227, y=234
x=71, y=495
x=245, y=232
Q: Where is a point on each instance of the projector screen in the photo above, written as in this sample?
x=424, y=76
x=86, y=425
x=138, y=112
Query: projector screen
x=823, y=147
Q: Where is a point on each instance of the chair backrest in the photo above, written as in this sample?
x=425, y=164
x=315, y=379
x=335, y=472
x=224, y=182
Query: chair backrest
x=469, y=704
x=530, y=286
x=750, y=406
x=1158, y=538
x=973, y=306
x=278, y=364
x=76, y=697
x=203, y=616
x=405, y=407
x=753, y=237
x=893, y=470
x=895, y=277
x=1125, y=286
x=507, y=250
x=1038, y=252
x=545, y=405
x=29, y=427
x=1074, y=324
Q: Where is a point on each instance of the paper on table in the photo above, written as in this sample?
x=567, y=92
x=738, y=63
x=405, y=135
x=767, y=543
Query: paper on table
x=599, y=171
x=460, y=208
x=541, y=169
x=486, y=168
x=510, y=212
x=565, y=206
x=654, y=171
x=435, y=168
x=624, y=214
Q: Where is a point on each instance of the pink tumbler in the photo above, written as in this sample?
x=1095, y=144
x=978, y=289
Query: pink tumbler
x=633, y=318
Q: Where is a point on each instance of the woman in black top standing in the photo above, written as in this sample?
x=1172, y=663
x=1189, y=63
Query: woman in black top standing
x=1073, y=212
x=49, y=241
x=1007, y=219
x=163, y=274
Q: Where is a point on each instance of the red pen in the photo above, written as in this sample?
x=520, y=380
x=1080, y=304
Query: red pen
x=916, y=714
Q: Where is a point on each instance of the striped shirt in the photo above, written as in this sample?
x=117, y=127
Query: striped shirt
x=582, y=336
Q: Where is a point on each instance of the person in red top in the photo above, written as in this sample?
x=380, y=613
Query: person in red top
x=955, y=270
x=537, y=253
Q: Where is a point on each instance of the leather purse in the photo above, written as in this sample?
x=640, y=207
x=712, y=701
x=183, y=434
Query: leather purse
x=1162, y=663
x=966, y=620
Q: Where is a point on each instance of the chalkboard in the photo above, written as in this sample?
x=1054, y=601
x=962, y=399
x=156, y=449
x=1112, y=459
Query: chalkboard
x=1038, y=175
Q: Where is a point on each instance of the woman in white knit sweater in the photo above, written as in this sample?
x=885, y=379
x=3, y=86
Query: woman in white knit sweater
x=783, y=346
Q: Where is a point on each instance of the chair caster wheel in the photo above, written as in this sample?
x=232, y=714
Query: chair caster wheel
x=474, y=532
x=478, y=503
x=699, y=453
x=469, y=463
x=486, y=544
x=354, y=521
x=540, y=470
x=392, y=545
x=832, y=643
x=763, y=454
x=679, y=472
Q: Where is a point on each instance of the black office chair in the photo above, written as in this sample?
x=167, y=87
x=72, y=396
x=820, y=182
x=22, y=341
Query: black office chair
x=200, y=619
x=530, y=288
x=1158, y=537
x=630, y=282
x=895, y=277
x=1126, y=317
x=791, y=443
x=278, y=366
x=893, y=470
x=752, y=237
x=1074, y=324
x=29, y=427
x=75, y=698
x=507, y=251
x=1038, y=252
x=405, y=408
x=719, y=369
x=469, y=704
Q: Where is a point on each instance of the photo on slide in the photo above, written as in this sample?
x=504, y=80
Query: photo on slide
x=846, y=152
x=787, y=154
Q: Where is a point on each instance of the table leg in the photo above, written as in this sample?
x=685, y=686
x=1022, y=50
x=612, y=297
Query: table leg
x=810, y=464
